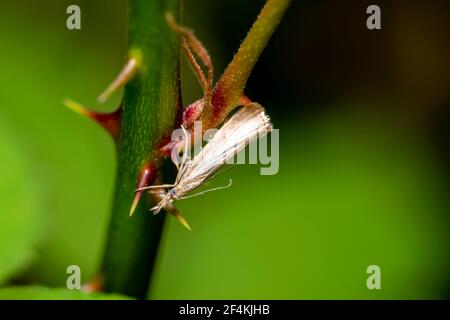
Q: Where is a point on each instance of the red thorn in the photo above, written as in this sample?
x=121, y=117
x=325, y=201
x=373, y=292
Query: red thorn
x=244, y=100
x=219, y=105
x=166, y=146
x=147, y=174
x=109, y=121
x=95, y=285
x=192, y=112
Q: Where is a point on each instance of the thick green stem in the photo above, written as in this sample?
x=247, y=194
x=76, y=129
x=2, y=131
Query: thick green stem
x=149, y=113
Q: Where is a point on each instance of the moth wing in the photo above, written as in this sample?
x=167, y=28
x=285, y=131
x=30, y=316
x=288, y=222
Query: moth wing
x=241, y=129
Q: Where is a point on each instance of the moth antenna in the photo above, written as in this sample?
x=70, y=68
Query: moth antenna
x=109, y=121
x=127, y=73
x=209, y=190
x=154, y=187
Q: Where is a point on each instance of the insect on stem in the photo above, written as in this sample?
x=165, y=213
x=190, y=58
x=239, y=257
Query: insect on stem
x=242, y=128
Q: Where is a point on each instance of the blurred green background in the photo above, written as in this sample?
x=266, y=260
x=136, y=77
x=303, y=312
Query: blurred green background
x=364, y=153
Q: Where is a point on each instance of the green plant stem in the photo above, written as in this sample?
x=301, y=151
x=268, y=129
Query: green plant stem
x=232, y=83
x=149, y=113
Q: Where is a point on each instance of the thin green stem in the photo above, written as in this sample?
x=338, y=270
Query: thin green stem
x=230, y=87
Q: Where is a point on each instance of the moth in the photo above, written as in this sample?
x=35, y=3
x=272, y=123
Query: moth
x=246, y=125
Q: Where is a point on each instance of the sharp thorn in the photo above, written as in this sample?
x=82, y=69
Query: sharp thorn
x=77, y=108
x=125, y=75
x=109, y=121
x=180, y=219
x=144, y=179
x=136, y=199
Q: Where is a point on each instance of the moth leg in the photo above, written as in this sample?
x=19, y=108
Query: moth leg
x=170, y=208
x=127, y=73
x=190, y=41
x=209, y=190
x=154, y=187
x=157, y=192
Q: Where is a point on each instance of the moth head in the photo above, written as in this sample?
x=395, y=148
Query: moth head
x=172, y=193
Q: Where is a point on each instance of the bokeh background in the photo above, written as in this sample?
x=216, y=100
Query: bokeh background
x=364, y=153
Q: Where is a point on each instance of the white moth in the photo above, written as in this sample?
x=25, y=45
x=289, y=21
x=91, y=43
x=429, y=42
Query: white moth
x=247, y=124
